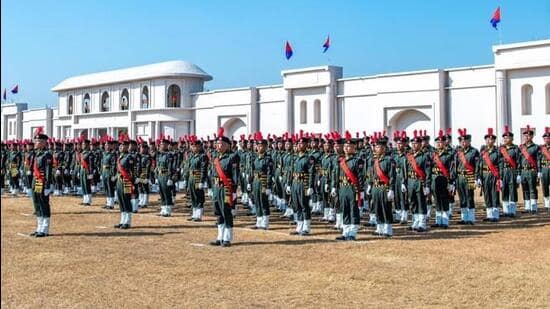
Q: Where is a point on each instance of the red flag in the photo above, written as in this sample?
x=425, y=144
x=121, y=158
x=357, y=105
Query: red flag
x=327, y=44
x=288, y=50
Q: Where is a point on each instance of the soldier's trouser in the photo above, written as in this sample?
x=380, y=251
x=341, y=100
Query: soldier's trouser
x=509, y=186
x=348, y=203
x=465, y=193
x=300, y=202
x=124, y=196
x=144, y=188
x=165, y=193
x=27, y=181
x=441, y=193
x=108, y=185
x=14, y=182
x=380, y=204
x=41, y=204
x=545, y=182
x=490, y=193
x=197, y=195
x=59, y=182
x=400, y=199
x=417, y=199
x=529, y=185
x=222, y=207
x=85, y=183
x=261, y=200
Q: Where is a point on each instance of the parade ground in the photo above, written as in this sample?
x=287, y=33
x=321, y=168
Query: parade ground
x=166, y=262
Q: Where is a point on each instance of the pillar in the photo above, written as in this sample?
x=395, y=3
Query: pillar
x=501, y=102
x=289, y=111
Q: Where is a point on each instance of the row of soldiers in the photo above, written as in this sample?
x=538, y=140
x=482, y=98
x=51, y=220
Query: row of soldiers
x=300, y=175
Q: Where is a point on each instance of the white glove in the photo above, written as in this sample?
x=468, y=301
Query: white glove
x=362, y=195
x=451, y=188
x=46, y=192
x=28, y=172
x=181, y=171
x=499, y=184
x=326, y=187
x=390, y=195
x=268, y=191
x=169, y=182
x=138, y=180
x=403, y=188
x=478, y=182
x=318, y=183
x=66, y=172
x=233, y=196
x=309, y=191
x=426, y=190
x=248, y=187
x=539, y=175
x=518, y=179
x=90, y=177
x=333, y=192
x=113, y=178
x=233, y=212
x=280, y=178
x=368, y=189
x=57, y=172
x=244, y=175
x=287, y=189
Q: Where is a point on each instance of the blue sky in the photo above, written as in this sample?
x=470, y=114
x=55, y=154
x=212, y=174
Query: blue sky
x=241, y=43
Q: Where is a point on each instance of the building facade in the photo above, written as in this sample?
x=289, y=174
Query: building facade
x=168, y=98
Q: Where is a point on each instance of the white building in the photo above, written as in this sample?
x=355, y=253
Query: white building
x=168, y=98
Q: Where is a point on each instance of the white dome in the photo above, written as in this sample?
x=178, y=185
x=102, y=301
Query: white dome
x=176, y=68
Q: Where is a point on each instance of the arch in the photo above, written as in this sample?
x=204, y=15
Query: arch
x=234, y=127
x=124, y=100
x=317, y=111
x=86, y=104
x=547, y=99
x=70, y=105
x=105, y=102
x=303, y=112
x=526, y=99
x=145, y=97
x=173, y=98
x=408, y=120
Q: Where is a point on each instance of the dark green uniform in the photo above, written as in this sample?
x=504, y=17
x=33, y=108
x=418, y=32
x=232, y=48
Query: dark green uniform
x=223, y=195
x=509, y=174
x=401, y=202
x=108, y=176
x=381, y=180
x=87, y=168
x=349, y=194
x=145, y=165
x=14, y=166
x=195, y=178
x=164, y=174
x=325, y=177
x=545, y=174
x=125, y=188
x=262, y=184
x=303, y=176
x=42, y=172
x=466, y=170
x=418, y=182
x=530, y=166
x=28, y=160
x=443, y=184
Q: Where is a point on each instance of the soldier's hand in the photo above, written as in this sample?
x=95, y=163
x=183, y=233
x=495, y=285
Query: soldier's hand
x=426, y=190
x=451, y=188
x=403, y=188
x=539, y=175
x=390, y=195
x=268, y=191
x=309, y=191
x=113, y=178
x=287, y=190
x=326, y=187
x=57, y=172
x=28, y=172
x=90, y=176
x=478, y=182
x=280, y=178
x=369, y=189
x=169, y=182
x=518, y=179
x=248, y=187
x=47, y=192
x=137, y=181
x=333, y=192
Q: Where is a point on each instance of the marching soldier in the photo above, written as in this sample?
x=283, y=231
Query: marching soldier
x=87, y=160
x=443, y=180
x=14, y=166
x=58, y=166
x=144, y=177
x=467, y=158
x=545, y=168
x=67, y=164
x=260, y=182
x=418, y=178
x=490, y=166
x=336, y=214
x=399, y=156
x=28, y=160
x=42, y=172
x=75, y=167
x=225, y=174
x=381, y=181
x=510, y=154
x=136, y=157
x=529, y=165
x=108, y=173
x=301, y=186
x=195, y=177
x=315, y=152
x=164, y=173
x=347, y=184
x=286, y=176
x=325, y=172
x=125, y=183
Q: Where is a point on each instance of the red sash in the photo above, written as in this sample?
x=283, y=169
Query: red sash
x=465, y=162
x=380, y=173
x=228, y=184
x=491, y=166
x=441, y=166
x=528, y=157
x=124, y=173
x=55, y=162
x=509, y=159
x=351, y=178
x=419, y=172
x=36, y=173
x=545, y=152
x=84, y=164
x=27, y=162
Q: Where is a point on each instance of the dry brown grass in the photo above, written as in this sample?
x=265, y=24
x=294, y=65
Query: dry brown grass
x=163, y=262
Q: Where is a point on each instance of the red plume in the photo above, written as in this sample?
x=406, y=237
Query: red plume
x=506, y=129
x=38, y=130
x=449, y=131
x=440, y=133
x=221, y=130
x=357, y=134
x=415, y=133
x=347, y=135
x=364, y=133
x=490, y=131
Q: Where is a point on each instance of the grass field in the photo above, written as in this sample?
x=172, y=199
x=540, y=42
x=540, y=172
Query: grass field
x=165, y=262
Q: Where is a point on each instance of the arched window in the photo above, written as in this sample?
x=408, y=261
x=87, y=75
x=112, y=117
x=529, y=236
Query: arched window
x=317, y=111
x=70, y=105
x=547, y=88
x=526, y=99
x=174, y=96
x=145, y=97
x=124, y=100
x=105, y=102
x=86, y=104
x=303, y=112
